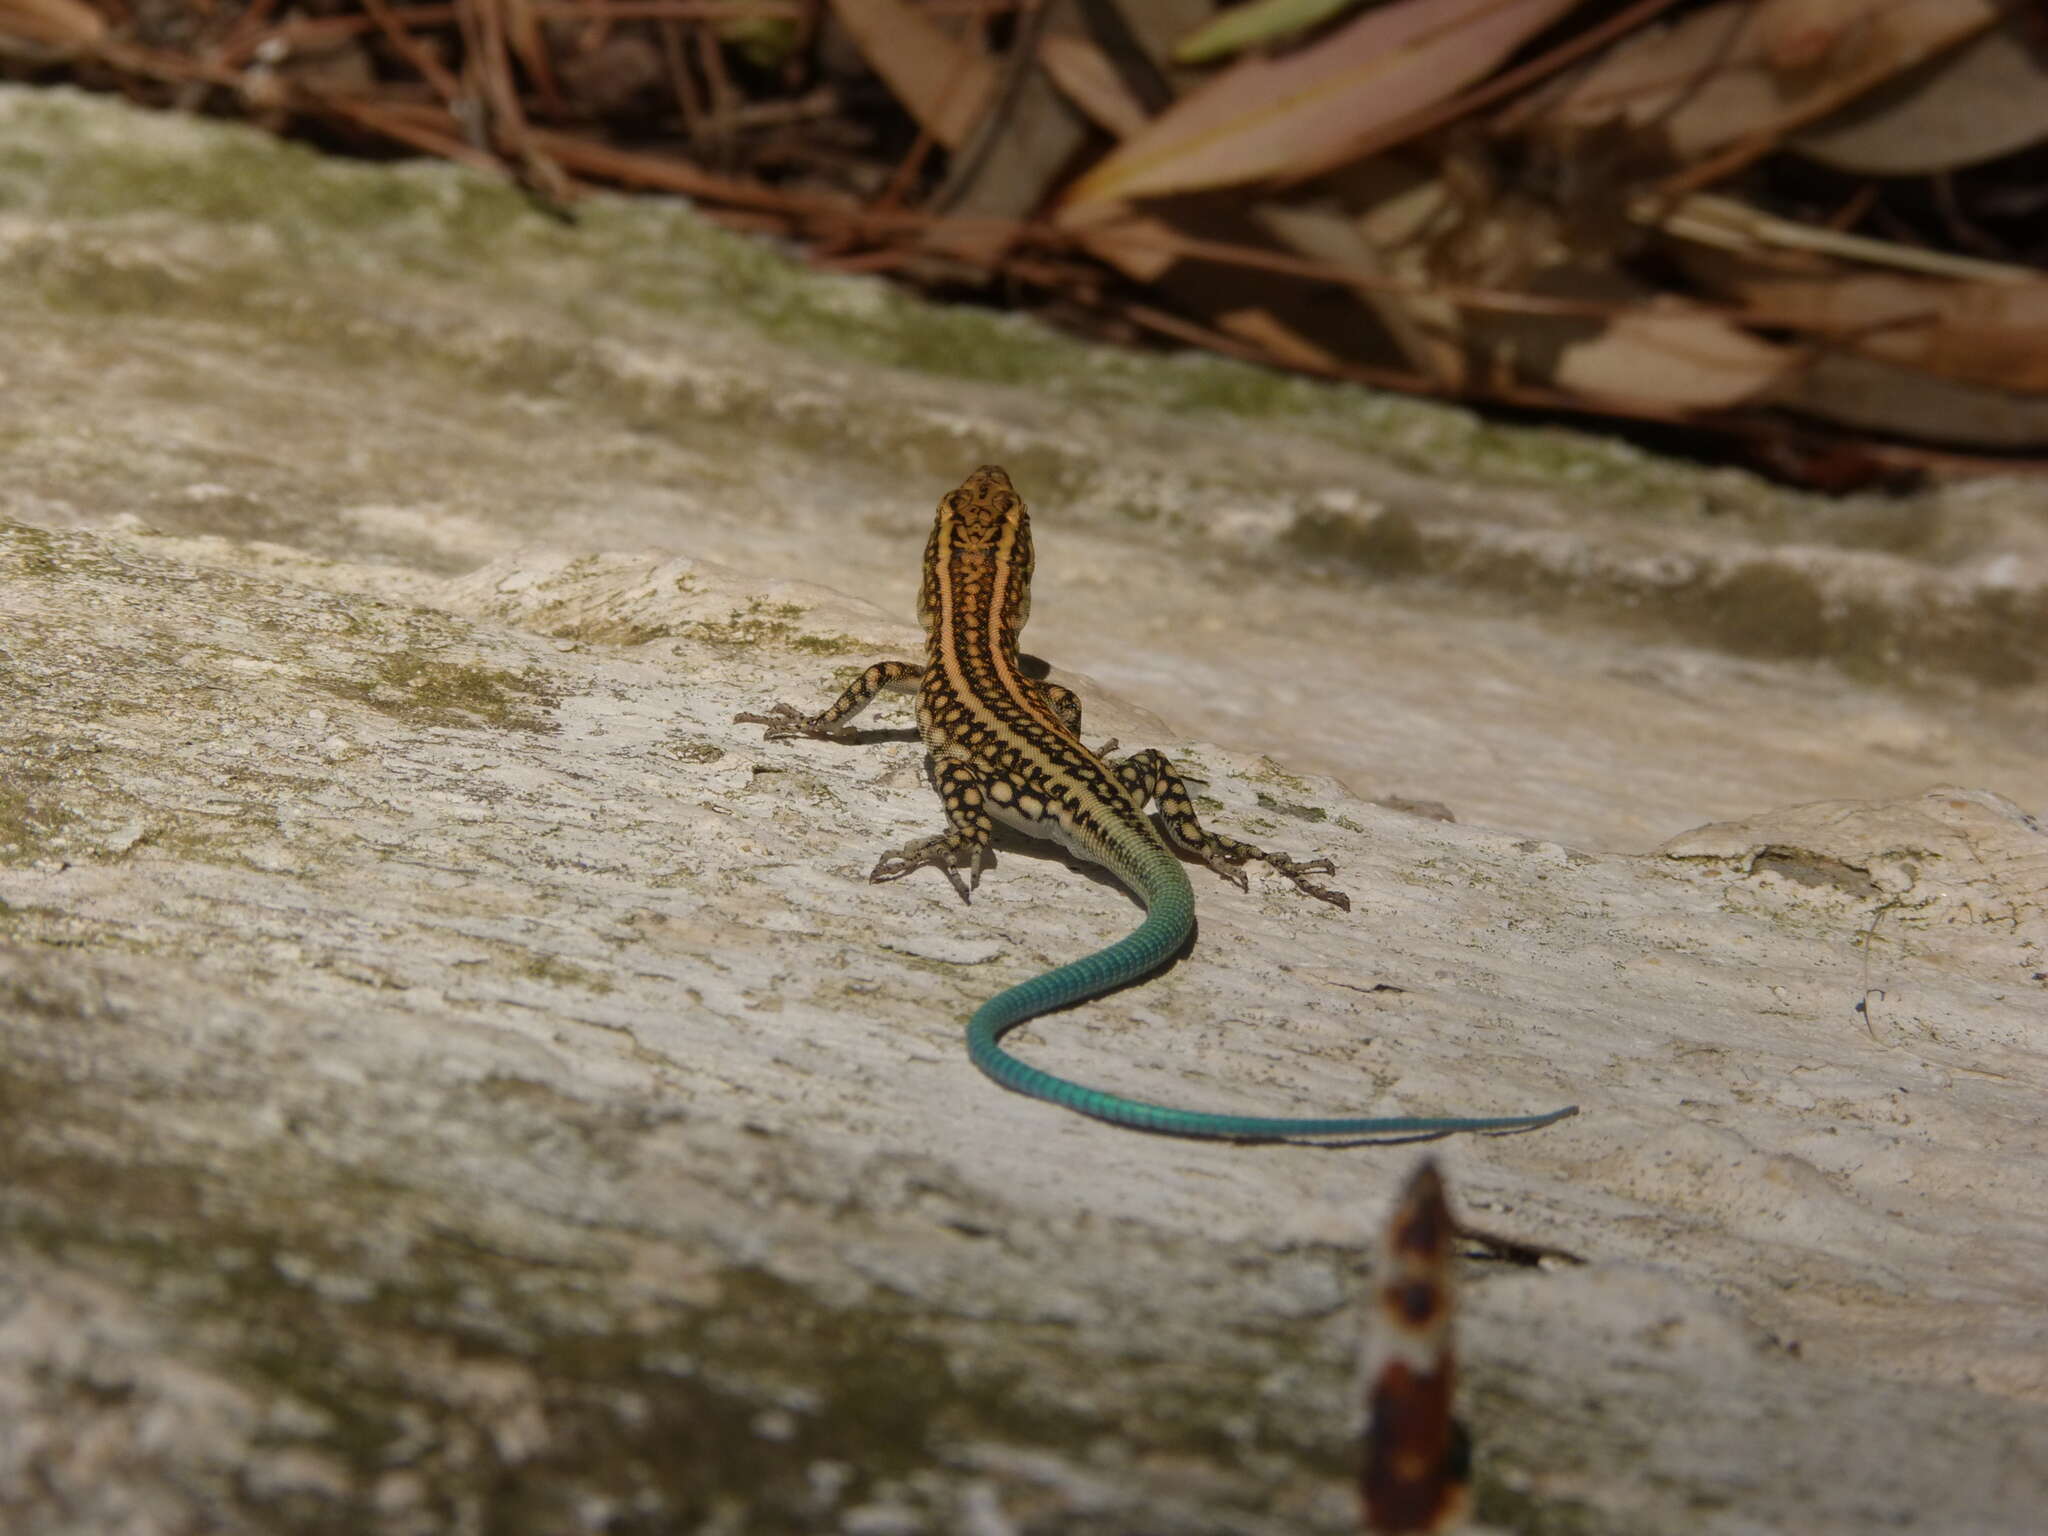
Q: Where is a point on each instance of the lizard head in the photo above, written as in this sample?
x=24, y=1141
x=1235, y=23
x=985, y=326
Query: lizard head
x=980, y=551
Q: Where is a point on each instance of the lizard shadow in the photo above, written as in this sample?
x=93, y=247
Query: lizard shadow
x=876, y=736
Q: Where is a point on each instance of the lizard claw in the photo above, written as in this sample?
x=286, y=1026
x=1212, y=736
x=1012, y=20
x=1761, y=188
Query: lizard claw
x=783, y=722
x=1299, y=870
x=943, y=851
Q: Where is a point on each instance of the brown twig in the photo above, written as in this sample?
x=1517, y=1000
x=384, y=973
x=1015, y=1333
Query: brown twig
x=1222, y=342
x=239, y=43
x=404, y=126
x=717, y=123
x=907, y=170
x=1850, y=214
x=412, y=50
x=666, y=173
x=689, y=103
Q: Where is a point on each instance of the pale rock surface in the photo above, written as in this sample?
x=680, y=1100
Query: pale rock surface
x=453, y=1078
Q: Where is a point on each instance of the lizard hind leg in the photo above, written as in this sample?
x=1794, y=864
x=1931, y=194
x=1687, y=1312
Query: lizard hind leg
x=785, y=721
x=1147, y=775
x=964, y=843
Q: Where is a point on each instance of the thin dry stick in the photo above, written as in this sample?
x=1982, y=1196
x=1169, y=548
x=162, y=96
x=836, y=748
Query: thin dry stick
x=688, y=103
x=403, y=125
x=239, y=43
x=165, y=68
x=1234, y=346
x=1850, y=214
x=906, y=171
x=717, y=120
x=967, y=160
x=491, y=92
x=665, y=173
x=821, y=102
x=505, y=127
x=523, y=38
x=415, y=53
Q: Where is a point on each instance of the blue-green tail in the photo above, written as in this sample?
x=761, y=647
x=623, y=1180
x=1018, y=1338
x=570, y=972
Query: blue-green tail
x=1140, y=952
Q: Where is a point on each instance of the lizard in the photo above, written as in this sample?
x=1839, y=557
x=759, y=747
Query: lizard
x=1005, y=747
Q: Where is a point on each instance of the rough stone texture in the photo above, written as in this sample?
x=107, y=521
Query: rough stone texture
x=453, y=1079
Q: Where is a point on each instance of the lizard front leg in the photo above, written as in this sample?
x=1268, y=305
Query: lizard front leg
x=786, y=720
x=1067, y=705
x=964, y=843
x=1148, y=775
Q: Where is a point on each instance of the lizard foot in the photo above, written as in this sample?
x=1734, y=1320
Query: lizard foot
x=949, y=851
x=1229, y=859
x=786, y=721
x=1299, y=870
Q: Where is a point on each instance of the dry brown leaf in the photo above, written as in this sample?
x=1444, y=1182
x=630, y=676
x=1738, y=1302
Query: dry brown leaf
x=1876, y=396
x=1735, y=70
x=943, y=84
x=1987, y=98
x=1264, y=117
x=1278, y=340
x=1385, y=239
x=1137, y=245
x=1020, y=149
x=1976, y=322
x=1796, y=35
x=1701, y=81
x=1671, y=356
x=1976, y=332
x=1084, y=72
x=62, y=25
x=1993, y=333
x=1254, y=24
